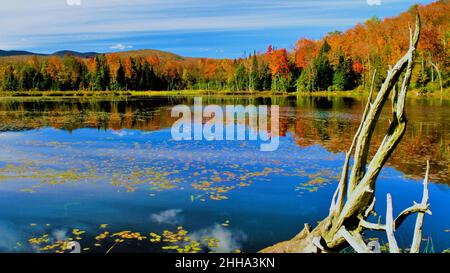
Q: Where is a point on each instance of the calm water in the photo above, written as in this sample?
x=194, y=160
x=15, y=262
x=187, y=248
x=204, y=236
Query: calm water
x=101, y=166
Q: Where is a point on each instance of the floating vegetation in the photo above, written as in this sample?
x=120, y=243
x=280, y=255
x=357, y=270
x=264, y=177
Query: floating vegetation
x=47, y=243
x=45, y=175
x=156, y=177
x=177, y=240
x=156, y=167
x=181, y=242
x=317, y=181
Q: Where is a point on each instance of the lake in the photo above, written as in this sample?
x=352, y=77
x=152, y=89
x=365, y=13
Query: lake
x=106, y=173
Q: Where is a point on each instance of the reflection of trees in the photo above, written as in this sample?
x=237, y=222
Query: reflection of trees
x=423, y=139
x=329, y=122
x=72, y=115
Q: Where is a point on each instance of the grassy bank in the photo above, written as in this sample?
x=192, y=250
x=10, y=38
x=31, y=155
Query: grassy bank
x=106, y=94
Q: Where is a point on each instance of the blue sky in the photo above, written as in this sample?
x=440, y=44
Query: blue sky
x=206, y=28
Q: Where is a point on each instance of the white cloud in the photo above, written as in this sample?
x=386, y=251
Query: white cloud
x=9, y=236
x=73, y=2
x=228, y=240
x=106, y=22
x=373, y=2
x=106, y=16
x=120, y=47
x=171, y=216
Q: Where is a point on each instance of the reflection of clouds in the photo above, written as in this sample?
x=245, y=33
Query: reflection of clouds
x=9, y=236
x=60, y=234
x=228, y=240
x=9, y=135
x=12, y=238
x=170, y=216
x=121, y=133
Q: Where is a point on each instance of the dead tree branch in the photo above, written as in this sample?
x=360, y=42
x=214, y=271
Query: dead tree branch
x=390, y=226
x=417, y=239
x=354, y=199
x=354, y=240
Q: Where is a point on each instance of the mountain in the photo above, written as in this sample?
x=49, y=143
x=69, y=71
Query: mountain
x=9, y=53
x=75, y=53
x=13, y=53
x=163, y=55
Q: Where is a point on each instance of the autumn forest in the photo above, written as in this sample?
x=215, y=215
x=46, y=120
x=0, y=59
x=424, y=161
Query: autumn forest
x=340, y=61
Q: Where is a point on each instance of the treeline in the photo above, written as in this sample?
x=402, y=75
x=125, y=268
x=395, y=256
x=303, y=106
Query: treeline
x=273, y=70
x=72, y=73
x=340, y=61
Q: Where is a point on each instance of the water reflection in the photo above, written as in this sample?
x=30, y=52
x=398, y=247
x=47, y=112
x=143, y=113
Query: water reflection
x=329, y=122
x=107, y=170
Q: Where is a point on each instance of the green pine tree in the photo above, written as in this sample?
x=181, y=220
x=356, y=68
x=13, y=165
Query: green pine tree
x=254, y=78
x=101, y=76
x=322, y=66
x=344, y=77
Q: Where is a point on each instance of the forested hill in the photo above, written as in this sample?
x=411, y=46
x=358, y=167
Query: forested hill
x=15, y=53
x=339, y=61
x=132, y=53
x=8, y=53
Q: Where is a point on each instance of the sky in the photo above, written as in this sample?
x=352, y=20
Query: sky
x=195, y=28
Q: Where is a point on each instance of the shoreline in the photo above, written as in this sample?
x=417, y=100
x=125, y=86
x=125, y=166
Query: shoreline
x=115, y=94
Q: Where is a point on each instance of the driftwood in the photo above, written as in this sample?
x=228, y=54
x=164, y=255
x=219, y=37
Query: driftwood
x=354, y=198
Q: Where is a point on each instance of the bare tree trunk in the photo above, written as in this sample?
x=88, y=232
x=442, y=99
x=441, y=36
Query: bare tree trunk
x=370, y=67
x=438, y=71
x=354, y=198
x=432, y=68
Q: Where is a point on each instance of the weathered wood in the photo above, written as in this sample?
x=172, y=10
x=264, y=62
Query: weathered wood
x=372, y=226
x=354, y=240
x=354, y=199
x=341, y=191
x=417, y=239
x=390, y=226
x=416, y=208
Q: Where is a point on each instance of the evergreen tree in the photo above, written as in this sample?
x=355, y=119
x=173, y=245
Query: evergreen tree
x=254, y=78
x=101, y=76
x=322, y=66
x=305, y=82
x=265, y=77
x=344, y=77
x=120, y=81
x=148, y=77
x=240, y=78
